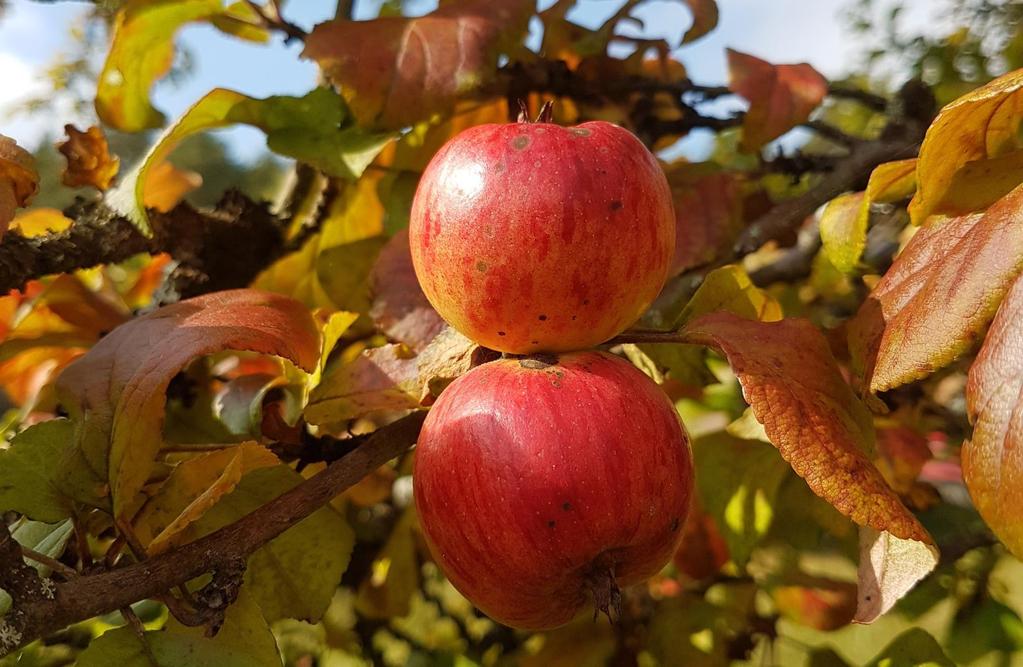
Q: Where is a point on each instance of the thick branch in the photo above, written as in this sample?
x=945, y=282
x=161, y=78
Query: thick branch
x=94, y=595
x=218, y=249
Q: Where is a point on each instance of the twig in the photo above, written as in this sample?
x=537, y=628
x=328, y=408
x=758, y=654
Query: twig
x=832, y=133
x=866, y=98
x=271, y=18
x=52, y=563
x=88, y=596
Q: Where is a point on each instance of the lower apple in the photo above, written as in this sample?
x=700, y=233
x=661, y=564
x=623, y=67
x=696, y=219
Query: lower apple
x=544, y=484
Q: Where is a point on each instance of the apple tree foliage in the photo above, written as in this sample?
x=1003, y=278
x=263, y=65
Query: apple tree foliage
x=209, y=411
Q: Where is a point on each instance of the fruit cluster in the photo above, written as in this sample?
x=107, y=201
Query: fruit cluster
x=551, y=477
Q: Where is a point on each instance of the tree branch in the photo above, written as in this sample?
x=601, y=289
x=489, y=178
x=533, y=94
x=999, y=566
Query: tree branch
x=87, y=596
x=219, y=249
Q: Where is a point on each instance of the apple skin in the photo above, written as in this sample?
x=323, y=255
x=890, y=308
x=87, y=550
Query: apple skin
x=543, y=487
x=534, y=237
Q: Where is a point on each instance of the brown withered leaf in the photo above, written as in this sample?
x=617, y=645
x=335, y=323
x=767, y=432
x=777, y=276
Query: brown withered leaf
x=972, y=154
x=89, y=162
x=117, y=391
x=993, y=458
x=391, y=377
x=396, y=71
x=780, y=96
x=939, y=295
x=400, y=308
x=796, y=390
x=19, y=180
x=705, y=19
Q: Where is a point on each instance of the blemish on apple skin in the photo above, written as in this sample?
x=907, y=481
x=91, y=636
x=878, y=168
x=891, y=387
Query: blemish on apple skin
x=566, y=506
x=551, y=523
x=542, y=318
x=616, y=205
x=675, y=524
x=500, y=333
x=580, y=131
x=520, y=142
x=481, y=266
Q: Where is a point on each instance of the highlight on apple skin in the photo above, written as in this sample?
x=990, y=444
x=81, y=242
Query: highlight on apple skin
x=531, y=237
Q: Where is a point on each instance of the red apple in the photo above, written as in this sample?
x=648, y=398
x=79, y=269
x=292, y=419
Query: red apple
x=542, y=486
x=532, y=237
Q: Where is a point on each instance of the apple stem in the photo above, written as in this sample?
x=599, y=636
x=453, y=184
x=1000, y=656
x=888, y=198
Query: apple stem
x=546, y=114
x=607, y=596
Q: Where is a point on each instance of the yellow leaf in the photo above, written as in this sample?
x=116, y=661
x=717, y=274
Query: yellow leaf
x=975, y=129
x=40, y=221
x=193, y=487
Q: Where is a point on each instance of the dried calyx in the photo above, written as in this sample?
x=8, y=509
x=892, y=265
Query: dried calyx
x=546, y=114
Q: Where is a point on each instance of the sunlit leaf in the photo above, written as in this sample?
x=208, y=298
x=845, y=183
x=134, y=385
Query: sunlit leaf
x=992, y=462
x=940, y=294
x=116, y=392
x=192, y=489
x=737, y=484
x=391, y=377
x=89, y=162
x=780, y=96
x=166, y=185
x=795, y=389
x=244, y=640
x=316, y=129
x=296, y=574
x=40, y=221
x=844, y=222
x=972, y=154
x=19, y=180
x=396, y=71
x=142, y=51
x=394, y=576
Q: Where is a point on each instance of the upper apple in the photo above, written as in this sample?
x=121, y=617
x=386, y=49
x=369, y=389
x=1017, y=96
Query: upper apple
x=531, y=237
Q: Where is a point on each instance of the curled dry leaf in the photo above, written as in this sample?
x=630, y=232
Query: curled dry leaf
x=395, y=71
x=19, y=180
x=972, y=154
x=796, y=390
x=400, y=309
x=939, y=295
x=992, y=461
x=89, y=162
x=780, y=96
x=705, y=19
x=116, y=392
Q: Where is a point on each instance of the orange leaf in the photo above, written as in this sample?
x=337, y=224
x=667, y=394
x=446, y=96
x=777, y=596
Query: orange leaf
x=796, y=390
x=705, y=19
x=703, y=550
x=395, y=71
x=993, y=459
x=89, y=162
x=166, y=186
x=780, y=96
x=116, y=392
x=936, y=299
x=19, y=180
x=822, y=604
x=400, y=309
x=972, y=154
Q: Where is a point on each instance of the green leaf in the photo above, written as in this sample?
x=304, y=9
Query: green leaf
x=244, y=640
x=387, y=592
x=142, y=51
x=913, y=648
x=344, y=272
x=729, y=289
x=29, y=472
x=738, y=484
x=316, y=129
x=295, y=575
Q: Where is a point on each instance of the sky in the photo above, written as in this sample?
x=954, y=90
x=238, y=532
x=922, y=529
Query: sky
x=780, y=31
